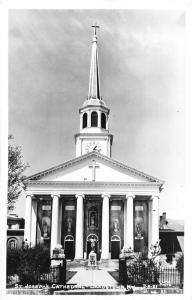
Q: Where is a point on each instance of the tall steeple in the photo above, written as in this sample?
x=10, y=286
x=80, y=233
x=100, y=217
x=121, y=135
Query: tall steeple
x=94, y=114
x=94, y=80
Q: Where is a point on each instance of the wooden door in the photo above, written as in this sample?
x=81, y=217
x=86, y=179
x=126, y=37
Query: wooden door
x=69, y=247
x=115, y=249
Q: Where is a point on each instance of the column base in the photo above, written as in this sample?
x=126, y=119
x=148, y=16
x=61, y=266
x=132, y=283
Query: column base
x=78, y=259
x=105, y=257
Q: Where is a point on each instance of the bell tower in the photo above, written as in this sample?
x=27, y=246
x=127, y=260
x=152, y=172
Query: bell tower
x=94, y=114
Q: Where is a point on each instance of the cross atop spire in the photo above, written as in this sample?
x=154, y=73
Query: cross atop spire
x=95, y=28
x=94, y=81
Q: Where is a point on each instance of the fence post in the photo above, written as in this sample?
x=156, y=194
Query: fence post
x=181, y=279
x=63, y=272
x=122, y=271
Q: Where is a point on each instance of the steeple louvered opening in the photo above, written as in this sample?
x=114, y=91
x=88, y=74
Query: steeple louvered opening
x=84, y=120
x=94, y=119
x=103, y=121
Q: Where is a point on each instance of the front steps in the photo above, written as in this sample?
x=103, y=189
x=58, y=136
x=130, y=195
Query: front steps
x=106, y=264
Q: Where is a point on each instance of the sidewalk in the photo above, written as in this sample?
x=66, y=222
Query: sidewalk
x=90, y=277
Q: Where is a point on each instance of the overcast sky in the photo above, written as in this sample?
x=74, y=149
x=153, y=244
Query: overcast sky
x=141, y=56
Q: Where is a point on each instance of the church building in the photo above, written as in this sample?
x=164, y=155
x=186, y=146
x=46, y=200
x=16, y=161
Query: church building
x=92, y=198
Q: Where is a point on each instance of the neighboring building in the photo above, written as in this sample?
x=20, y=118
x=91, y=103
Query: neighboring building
x=92, y=201
x=15, y=231
x=171, y=235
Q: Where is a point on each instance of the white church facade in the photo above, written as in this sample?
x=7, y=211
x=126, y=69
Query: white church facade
x=92, y=197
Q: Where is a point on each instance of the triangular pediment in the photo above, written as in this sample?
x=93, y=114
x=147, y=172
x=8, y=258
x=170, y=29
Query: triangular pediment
x=82, y=169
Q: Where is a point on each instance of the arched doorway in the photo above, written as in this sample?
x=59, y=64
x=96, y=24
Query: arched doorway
x=69, y=247
x=115, y=246
x=93, y=244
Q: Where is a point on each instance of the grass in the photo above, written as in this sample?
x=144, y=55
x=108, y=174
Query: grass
x=114, y=274
x=69, y=275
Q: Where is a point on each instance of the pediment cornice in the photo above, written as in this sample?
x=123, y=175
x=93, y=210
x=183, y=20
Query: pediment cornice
x=96, y=155
x=91, y=184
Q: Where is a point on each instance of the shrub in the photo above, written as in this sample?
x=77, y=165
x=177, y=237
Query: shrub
x=12, y=261
x=142, y=271
x=31, y=262
x=144, y=268
x=180, y=264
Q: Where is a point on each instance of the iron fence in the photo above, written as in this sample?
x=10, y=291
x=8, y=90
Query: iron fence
x=153, y=276
x=57, y=274
x=142, y=275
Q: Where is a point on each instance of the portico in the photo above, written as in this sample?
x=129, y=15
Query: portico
x=115, y=214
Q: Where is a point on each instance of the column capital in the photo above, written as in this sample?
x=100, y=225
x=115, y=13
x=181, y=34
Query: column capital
x=29, y=194
x=130, y=195
x=105, y=195
x=154, y=196
x=80, y=195
x=55, y=195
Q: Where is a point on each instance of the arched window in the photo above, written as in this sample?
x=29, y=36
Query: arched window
x=12, y=243
x=94, y=119
x=84, y=120
x=103, y=120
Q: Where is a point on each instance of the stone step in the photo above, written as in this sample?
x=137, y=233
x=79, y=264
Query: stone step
x=102, y=263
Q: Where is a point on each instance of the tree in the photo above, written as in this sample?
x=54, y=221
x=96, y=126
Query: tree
x=15, y=174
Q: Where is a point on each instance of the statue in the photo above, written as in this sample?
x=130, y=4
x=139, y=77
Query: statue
x=116, y=225
x=138, y=230
x=45, y=227
x=69, y=223
x=92, y=219
x=92, y=240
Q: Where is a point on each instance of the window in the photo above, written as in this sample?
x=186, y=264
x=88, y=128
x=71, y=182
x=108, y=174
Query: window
x=103, y=120
x=94, y=119
x=12, y=243
x=84, y=120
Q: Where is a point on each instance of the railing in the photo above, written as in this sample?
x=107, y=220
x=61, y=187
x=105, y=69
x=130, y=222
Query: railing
x=153, y=276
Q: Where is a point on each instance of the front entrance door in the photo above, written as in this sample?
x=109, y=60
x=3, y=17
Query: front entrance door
x=115, y=247
x=69, y=247
x=92, y=225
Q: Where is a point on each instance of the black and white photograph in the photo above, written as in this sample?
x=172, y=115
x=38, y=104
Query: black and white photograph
x=96, y=152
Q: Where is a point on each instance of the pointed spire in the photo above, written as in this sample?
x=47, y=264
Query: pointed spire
x=94, y=81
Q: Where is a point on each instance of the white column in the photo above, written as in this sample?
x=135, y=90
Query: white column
x=107, y=122
x=79, y=228
x=28, y=209
x=33, y=222
x=150, y=223
x=99, y=118
x=130, y=198
x=105, y=227
x=89, y=118
x=125, y=223
x=55, y=218
x=155, y=218
x=60, y=222
x=81, y=121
